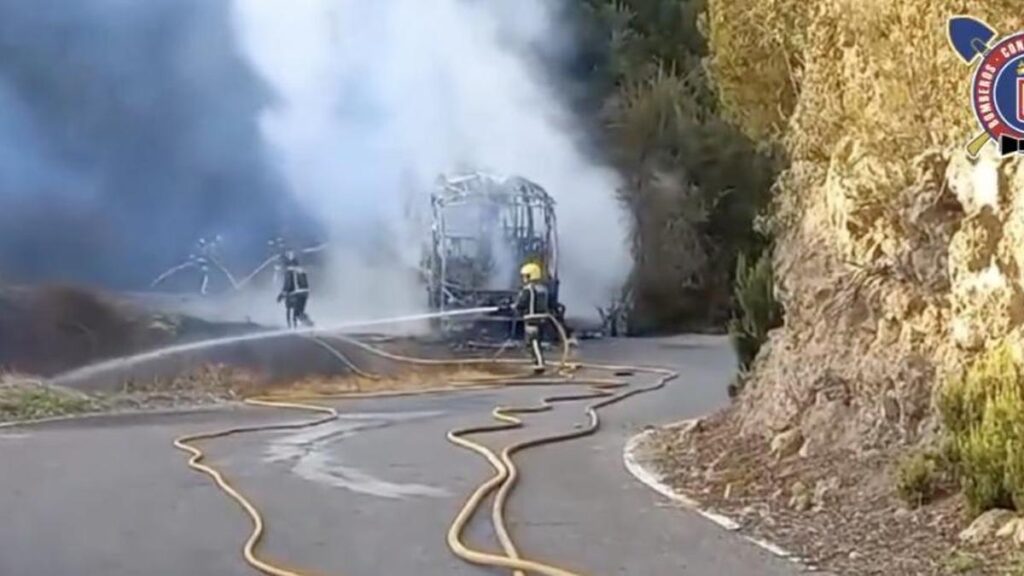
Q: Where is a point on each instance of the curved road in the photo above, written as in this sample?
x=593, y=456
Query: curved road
x=371, y=494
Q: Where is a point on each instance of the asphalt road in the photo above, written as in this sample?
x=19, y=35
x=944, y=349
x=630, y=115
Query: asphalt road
x=370, y=494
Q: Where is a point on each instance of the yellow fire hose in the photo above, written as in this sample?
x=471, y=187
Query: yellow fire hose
x=506, y=472
x=506, y=475
x=195, y=462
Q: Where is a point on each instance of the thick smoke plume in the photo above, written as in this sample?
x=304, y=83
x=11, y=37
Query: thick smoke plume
x=129, y=129
x=375, y=99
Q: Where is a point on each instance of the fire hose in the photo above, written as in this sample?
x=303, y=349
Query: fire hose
x=506, y=473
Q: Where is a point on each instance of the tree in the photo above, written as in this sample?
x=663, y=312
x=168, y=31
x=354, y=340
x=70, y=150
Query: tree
x=695, y=184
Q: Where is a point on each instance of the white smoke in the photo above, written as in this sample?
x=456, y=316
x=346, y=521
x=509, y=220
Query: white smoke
x=375, y=98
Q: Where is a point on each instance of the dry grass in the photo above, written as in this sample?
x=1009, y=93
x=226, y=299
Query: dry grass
x=216, y=379
x=25, y=398
x=422, y=378
x=28, y=398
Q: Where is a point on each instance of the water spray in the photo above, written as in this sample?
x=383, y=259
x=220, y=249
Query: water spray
x=345, y=327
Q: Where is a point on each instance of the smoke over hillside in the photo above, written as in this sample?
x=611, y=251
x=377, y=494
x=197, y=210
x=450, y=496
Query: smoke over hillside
x=128, y=129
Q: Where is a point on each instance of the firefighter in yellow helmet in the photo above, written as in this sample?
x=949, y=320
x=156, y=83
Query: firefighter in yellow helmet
x=532, y=306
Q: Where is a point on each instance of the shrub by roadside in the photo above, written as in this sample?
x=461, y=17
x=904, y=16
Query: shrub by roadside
x=27, y=399
x=924, y=477
x=983, y=411
x=917, y=480
x=758, y=311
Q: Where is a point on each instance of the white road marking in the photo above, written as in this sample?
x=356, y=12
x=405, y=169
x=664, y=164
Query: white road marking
x=654, y=481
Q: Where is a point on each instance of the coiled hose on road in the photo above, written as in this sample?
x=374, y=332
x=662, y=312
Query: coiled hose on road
x=506, y=473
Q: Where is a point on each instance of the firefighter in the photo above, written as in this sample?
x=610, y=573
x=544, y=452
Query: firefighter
x=295, y=292
x=532, y=306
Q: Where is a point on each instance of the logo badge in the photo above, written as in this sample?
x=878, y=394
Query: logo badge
x=997, y=89
x=1020, y=99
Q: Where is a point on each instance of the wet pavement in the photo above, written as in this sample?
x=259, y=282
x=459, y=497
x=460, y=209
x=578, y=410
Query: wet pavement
x=370, y=494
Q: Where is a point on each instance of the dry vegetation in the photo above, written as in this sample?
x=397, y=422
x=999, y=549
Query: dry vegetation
x=24, y=398
x=407, y=380
x=28, y=398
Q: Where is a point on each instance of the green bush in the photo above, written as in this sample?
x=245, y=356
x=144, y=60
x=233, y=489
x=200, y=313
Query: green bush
x=983, y=411
x=983, y=470
x=965, y=396
x=918, y=480
x=17, y=403
x=1015, y=470
x=758, y=310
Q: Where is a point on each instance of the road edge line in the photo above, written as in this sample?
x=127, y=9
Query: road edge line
x=654, y=481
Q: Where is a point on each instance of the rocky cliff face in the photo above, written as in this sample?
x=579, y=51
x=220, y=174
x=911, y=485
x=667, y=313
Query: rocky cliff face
x=897, y=256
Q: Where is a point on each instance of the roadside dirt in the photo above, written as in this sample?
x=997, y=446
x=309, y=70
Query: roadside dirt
x=403, y=381
x=28, y=398
x=837, y=511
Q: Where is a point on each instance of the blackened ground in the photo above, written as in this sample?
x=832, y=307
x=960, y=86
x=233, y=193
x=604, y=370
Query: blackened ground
x=46, y=330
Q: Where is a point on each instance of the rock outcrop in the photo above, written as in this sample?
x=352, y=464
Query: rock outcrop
x=897, y=256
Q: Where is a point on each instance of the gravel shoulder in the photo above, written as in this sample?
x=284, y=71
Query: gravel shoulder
x=837, y=511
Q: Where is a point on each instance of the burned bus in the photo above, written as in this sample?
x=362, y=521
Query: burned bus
x=483, y=229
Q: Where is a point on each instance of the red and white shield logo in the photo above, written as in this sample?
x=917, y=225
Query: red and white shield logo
x=1020, y=99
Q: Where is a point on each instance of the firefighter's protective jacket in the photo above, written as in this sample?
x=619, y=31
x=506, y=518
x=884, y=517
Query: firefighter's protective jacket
x=295, y=281
x=532, y=302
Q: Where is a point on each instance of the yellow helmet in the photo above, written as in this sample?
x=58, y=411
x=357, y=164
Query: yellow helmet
x=531, y=272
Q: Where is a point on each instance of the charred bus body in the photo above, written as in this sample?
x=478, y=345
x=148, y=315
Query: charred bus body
x=483, y=229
